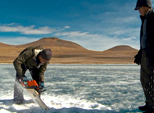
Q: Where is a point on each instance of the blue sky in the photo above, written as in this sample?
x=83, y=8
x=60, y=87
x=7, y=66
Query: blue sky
x=94, y=24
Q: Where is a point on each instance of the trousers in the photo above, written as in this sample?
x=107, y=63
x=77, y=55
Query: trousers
x=147, y=79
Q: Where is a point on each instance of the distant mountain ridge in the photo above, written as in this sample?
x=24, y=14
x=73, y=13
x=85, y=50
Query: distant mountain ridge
x=5, y=45
x=67, y=52
x=122, y=48
x=53, y=42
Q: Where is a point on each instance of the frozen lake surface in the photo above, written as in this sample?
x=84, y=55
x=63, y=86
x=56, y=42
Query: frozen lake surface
x=78, y=89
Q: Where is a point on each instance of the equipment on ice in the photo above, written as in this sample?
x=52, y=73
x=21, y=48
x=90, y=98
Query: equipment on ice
x=34, y=91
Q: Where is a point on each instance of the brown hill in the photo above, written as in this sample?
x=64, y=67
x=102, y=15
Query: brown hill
x=5, y=45
x=53, y=42
x=67, y=52
x=121, y=53
x=122, y=48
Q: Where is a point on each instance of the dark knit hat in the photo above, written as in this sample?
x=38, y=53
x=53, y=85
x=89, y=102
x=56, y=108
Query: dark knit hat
x=46, y=54
x=140, y=3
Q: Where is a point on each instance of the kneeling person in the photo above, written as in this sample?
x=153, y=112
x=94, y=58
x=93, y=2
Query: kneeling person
x=35, y=59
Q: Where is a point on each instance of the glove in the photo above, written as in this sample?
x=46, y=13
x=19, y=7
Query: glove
x=138, y=58
x=42, y=85
x=24, y=78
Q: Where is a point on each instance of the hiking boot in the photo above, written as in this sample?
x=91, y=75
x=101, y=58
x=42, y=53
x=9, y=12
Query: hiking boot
x=18, y=101
x=143, y=108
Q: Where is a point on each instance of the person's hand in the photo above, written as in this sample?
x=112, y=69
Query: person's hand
x=24, y=78
x=137, y=59
x=42, y=85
